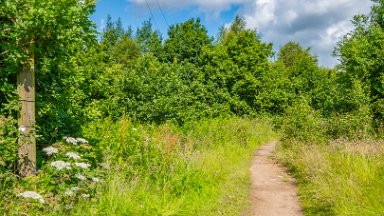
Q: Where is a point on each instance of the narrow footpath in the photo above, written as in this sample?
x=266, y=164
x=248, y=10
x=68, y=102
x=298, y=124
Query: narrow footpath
x=273, y=191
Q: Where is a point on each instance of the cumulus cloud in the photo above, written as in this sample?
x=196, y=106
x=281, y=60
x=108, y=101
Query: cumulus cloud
x=263, y=14
x=318, y=24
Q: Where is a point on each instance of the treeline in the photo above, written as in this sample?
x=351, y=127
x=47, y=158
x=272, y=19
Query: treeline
x=189, y=75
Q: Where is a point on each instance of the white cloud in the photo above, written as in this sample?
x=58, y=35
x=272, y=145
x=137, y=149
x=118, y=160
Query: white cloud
x=290, y=16
x=324, y=6
x=263, y=14
x=333, y=33
x=318, y=24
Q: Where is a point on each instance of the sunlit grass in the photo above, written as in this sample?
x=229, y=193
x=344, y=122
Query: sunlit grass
x=199, y=169
x=342, y=178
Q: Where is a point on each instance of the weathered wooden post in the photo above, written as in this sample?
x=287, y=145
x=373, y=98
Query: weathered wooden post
x=27, y=140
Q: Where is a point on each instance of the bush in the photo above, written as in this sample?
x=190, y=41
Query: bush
x=301, y=122
x=354, y=125
x=8, y=144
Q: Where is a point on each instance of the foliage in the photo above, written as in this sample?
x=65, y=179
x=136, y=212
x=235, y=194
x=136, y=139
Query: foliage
x=113, y=32
x=8, y=141
x=162, y=92
x=171, y=157
x=301, y=67
x=70, y=172
x=301, y=122
x=343, y=176
x=45, y=28
x=361, y=53
x=49, y=32
x=185, y=41
x=150, y=41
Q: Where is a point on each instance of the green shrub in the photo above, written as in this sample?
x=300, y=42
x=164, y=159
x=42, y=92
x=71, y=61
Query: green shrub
x=8, y=144
x=355, y=125
x=301, y=122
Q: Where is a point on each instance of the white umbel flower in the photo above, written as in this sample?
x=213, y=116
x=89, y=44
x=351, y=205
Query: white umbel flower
x=73, y=155
x=85, y=195
x=83, y=165
x=95, y=179
x=75, y=188
x=33, y=195
x=75, y=141
x=80, y=177
x=50, y=150
x=71, y=140
x=82, y=140
x=71, y=191
x=59, y=165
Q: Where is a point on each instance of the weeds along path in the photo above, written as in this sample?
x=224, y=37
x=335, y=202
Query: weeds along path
x=273, y=191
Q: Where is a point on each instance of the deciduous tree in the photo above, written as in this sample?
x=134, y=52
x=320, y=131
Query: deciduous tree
x=31, y=31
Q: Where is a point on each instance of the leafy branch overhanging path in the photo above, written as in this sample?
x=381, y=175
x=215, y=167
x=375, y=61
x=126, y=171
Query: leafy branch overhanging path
x=273, y=191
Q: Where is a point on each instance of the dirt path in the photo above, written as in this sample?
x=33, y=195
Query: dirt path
x=273, y=192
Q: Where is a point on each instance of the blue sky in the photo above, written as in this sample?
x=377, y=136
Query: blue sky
x=318, y=24
x=134, y=14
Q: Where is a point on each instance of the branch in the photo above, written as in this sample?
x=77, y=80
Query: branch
x=22, y=45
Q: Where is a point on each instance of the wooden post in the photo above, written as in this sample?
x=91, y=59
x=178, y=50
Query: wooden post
x=27, y=141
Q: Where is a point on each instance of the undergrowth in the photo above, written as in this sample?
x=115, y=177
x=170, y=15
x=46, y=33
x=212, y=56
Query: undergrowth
x=201, y=168
x=338, y=167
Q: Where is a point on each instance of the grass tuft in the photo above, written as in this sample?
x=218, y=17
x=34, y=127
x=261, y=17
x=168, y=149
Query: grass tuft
x=342, y=178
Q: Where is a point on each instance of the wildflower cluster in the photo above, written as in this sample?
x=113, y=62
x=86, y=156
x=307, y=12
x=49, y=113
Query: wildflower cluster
x=71, y=191
x=80, y=177
x=59, y=165
x=75, y=141
x=73, y=155
x=68, y=169
x=32, y=195
x=85, y=195
x=50, y=150
x=83, y=165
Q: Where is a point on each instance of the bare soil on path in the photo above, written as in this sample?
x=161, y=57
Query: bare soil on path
x=273, y=191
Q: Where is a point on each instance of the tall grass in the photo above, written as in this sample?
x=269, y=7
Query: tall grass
x=342, y=178
x=335, y=175
x=201, y=168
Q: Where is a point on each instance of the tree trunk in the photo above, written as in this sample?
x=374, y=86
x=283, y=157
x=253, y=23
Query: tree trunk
x=27, y=141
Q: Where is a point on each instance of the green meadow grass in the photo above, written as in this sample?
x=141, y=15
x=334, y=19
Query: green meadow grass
x=201, y=168
x=342, y=178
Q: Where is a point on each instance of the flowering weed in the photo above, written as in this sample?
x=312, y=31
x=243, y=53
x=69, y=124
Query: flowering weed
x=65, y=178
